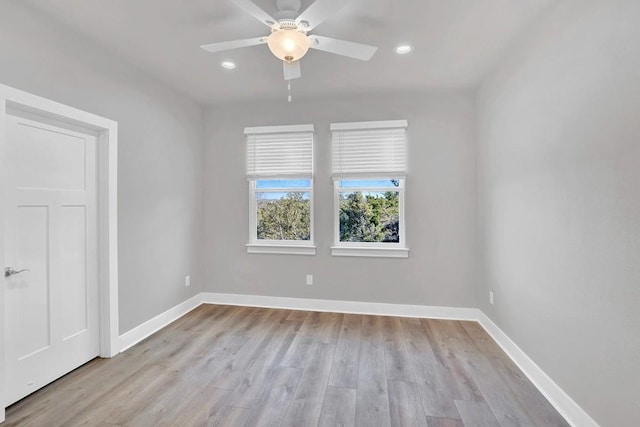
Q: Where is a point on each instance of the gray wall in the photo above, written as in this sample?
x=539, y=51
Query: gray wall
x=559, y=156
x=557, y=200
x=159, y=160
x=440, y=204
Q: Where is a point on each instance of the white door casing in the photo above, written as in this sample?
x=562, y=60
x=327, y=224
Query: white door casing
x=52, y=322
x=106, y=267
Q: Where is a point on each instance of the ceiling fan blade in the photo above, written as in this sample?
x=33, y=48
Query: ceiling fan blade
x=291, y=70
x=319, y=11
x=235, y=44
x=254, y=10
x=360, y=51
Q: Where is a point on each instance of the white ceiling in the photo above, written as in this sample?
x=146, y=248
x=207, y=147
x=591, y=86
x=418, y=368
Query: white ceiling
x=457, y=42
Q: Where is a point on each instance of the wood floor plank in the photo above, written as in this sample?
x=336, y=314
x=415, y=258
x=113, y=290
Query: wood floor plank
x=496, y=392
x=398, y=363
x=139, y=403
x=256, y=382
x=434, y=384
x=455, y=374
x=444, y=422
x=187, y=401
x=309, y=333
x=345, y=365
x=58, y=398
x=237, y=366
x=306, y=405
x=124, y=395
x=76, y=392
x=476, y=414
x=405, y=406
x=275, y=402
x=173, y=339
x=298, y=315
x=211, y=364
x=204, y=409
x=339, y=408
x=275, y=351
x=330, y=327
x=522, y=390
x=243, y=366
x=233, y=416
x=323, y=327
x=372, y=400
x=251, y=320
x=298, y=352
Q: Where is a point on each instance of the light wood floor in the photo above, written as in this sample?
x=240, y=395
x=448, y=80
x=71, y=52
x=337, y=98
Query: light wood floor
x=238, y=366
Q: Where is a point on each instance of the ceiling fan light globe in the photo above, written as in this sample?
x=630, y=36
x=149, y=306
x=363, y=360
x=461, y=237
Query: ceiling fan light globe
x=288, y=44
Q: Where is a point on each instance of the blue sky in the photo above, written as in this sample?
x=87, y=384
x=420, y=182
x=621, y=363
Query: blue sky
x=305, y=183
x=283, y=183
x=366, y=183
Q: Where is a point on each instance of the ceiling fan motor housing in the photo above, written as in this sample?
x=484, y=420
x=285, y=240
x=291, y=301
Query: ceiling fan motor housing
x=287, y=41
x=289, y=5
x=287, y=9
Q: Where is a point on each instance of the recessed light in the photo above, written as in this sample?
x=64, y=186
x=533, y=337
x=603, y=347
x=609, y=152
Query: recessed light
x=403, y=49
x=228, y=65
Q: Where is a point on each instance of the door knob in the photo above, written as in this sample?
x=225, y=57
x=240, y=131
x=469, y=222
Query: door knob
x=9, y=271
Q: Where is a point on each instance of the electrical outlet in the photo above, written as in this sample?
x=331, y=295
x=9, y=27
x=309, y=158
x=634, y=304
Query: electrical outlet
x=491, y=297
x=187, y=281
x=309, y=279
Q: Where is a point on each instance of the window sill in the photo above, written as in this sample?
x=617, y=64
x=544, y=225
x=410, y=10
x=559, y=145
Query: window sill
x=370, y=252
x=261, y=248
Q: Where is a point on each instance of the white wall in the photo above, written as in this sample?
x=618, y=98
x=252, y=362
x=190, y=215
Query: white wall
x=440, y=204
x=559, y=163
x=159, y=163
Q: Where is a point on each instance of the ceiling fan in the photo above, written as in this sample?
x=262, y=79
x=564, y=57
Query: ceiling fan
x=289, y=40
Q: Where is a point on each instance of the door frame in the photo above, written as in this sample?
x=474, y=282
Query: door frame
x=107, y=191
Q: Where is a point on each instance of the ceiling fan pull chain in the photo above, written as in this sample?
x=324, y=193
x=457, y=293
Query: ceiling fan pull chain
x=289, y=88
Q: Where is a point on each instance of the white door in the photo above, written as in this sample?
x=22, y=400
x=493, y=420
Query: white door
x=51, y=309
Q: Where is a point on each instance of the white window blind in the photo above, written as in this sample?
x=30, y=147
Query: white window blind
x=279, y=152
x=369, y=149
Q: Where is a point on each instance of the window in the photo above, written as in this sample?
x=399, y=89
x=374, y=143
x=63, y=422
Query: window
x=280, y=174
x=369, y=165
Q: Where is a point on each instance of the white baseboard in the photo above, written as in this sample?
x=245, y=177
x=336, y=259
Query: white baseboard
x=567, y=407
x=335, y=306
x=137, y=334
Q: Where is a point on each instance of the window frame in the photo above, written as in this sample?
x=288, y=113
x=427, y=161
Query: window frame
x=392, y=171
x=381, y=249
x=289, y=247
